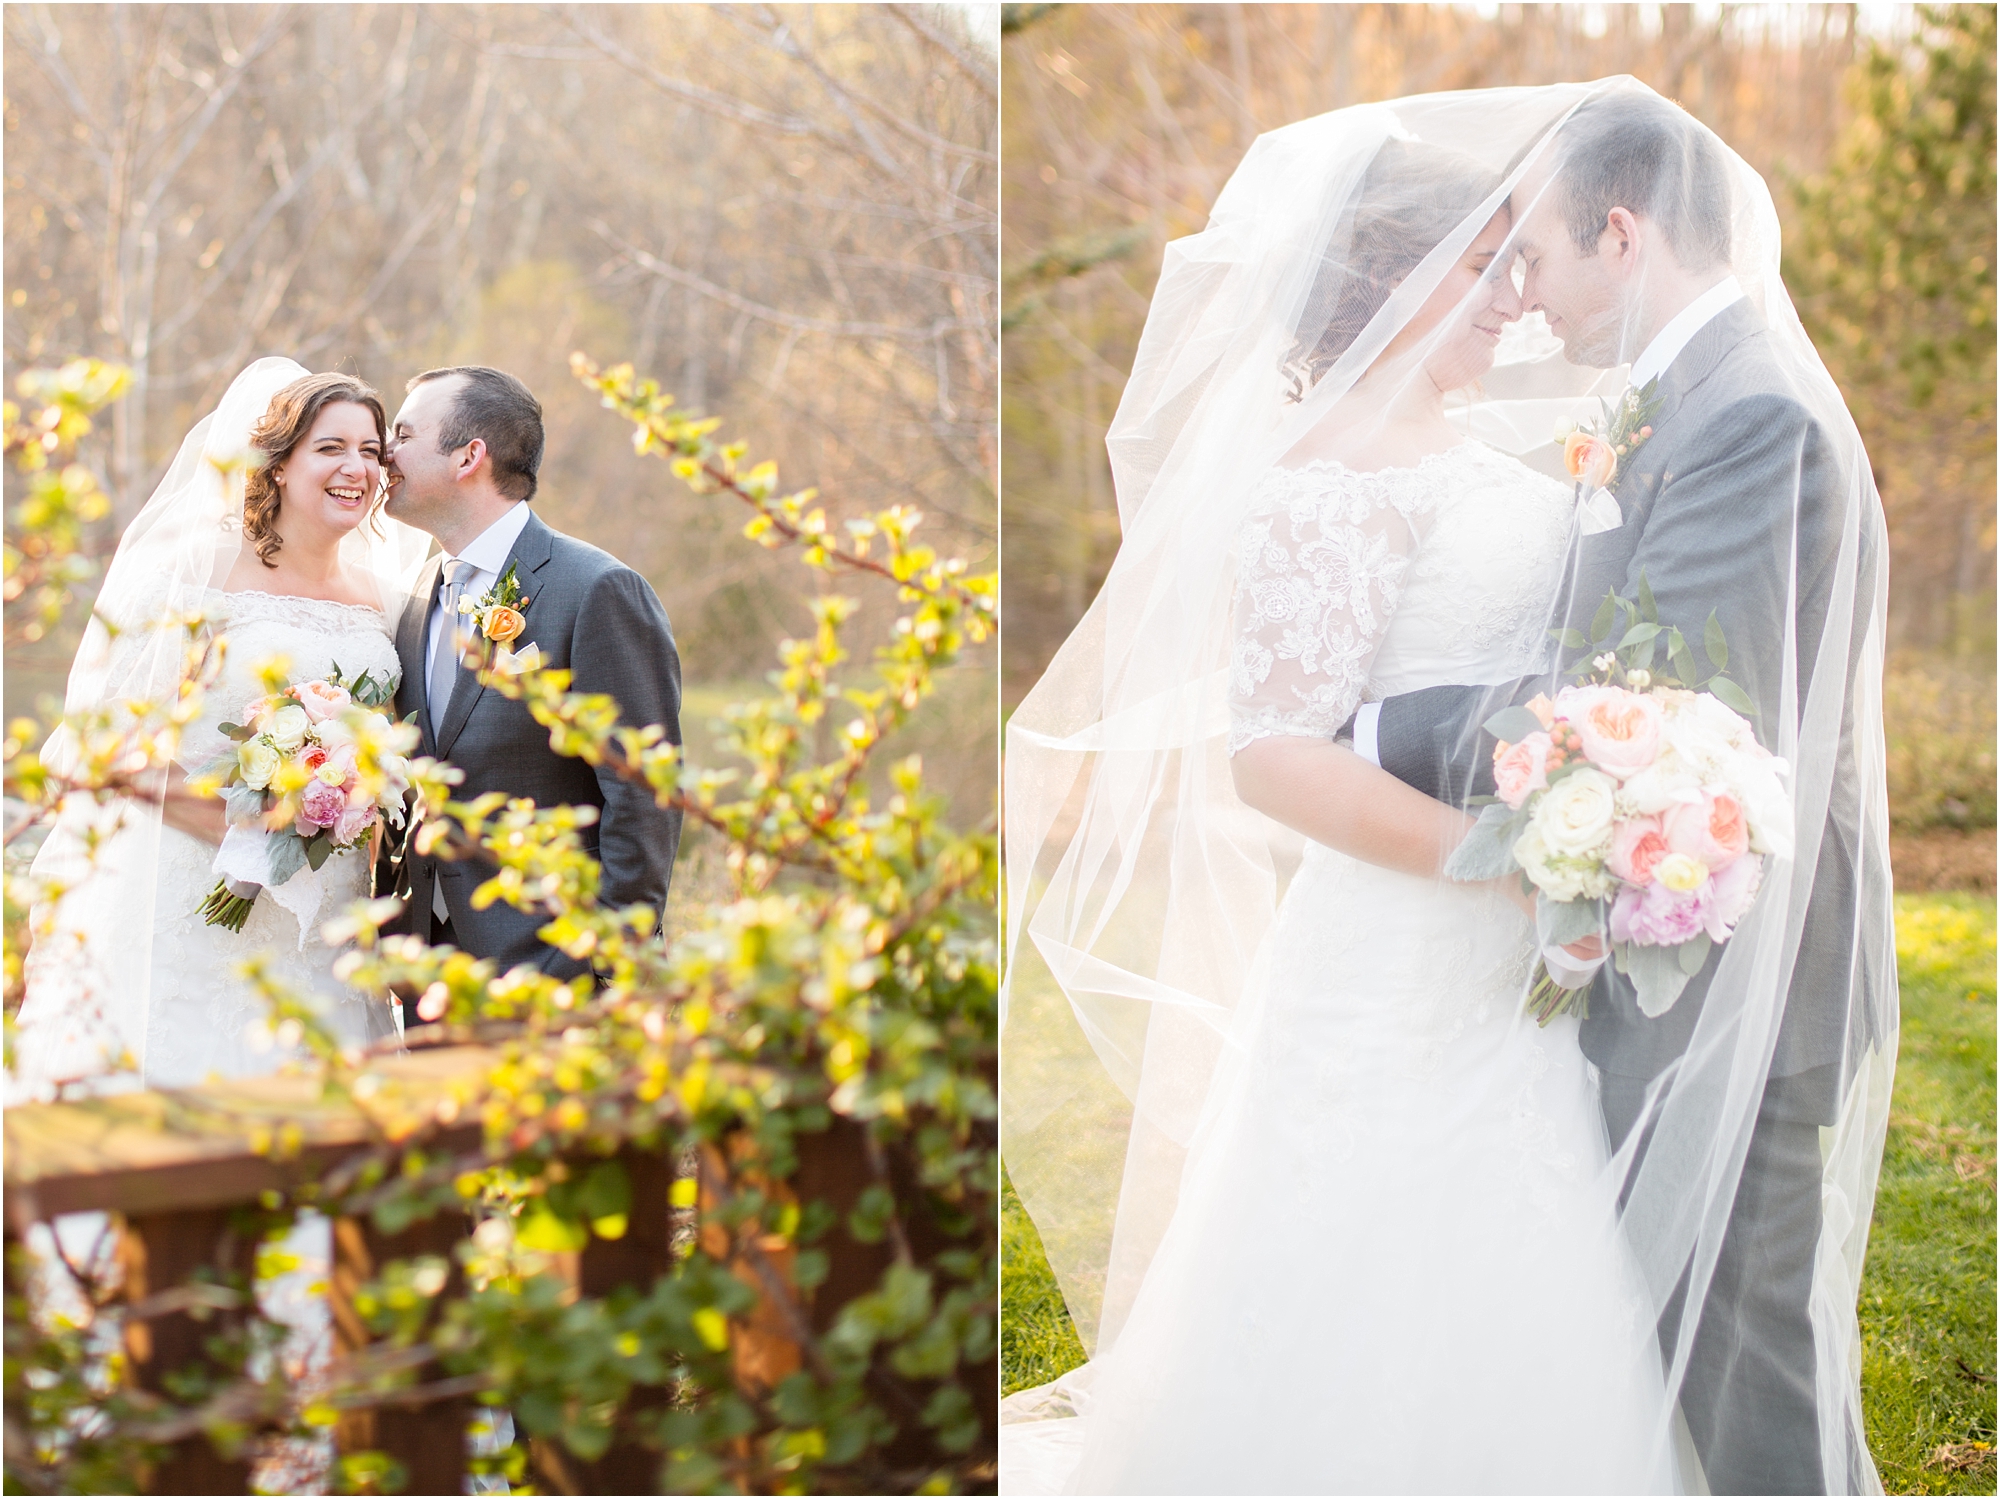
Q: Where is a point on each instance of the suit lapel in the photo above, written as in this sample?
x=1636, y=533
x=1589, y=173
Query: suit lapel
x=530, y=555
x=410, y=648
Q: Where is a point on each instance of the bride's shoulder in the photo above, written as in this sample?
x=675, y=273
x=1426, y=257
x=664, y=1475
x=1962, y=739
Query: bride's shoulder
x=1330, y=487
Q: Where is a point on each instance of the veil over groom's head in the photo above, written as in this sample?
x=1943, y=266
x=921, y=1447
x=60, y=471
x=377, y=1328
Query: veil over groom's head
x=1625, y=216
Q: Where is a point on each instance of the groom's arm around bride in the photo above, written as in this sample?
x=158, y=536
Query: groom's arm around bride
x=462, y=465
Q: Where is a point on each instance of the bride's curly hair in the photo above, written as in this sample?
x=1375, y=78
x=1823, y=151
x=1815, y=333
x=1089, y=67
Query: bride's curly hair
x=281, y=428
x=1410, y=198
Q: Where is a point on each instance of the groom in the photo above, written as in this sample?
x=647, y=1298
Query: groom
x=461, y=465
x=1627, y=252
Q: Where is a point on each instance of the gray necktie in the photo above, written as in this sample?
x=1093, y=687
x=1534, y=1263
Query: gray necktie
x=444, y=661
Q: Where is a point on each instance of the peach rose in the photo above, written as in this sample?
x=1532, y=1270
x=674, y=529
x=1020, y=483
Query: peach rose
x=503, y=624
x=1620, y=731
x=1637, y=845
x=1713, y=830
x=1520, y=770
x=1589, y=459
x=321, y=700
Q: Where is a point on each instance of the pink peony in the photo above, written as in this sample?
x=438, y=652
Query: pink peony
x=1637, y=844
x=1732, y=891
x=1620, y=731
x=321, y=805
x=1713, y=830
x=353, y=823
x=321, y=700
x=1520, y=770
x=1658, y=917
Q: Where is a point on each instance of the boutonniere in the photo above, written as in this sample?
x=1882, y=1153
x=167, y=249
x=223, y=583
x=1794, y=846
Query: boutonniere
x=1592, y=451
x=498, y=613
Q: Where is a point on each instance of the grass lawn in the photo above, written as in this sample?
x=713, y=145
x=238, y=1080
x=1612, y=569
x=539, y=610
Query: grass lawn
x=1927, y=1299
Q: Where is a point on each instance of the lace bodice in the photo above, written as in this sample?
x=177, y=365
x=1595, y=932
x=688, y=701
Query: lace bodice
x=1353, y=587
x=314, y=635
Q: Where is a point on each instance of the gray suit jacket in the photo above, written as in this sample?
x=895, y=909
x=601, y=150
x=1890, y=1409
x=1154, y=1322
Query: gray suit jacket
x=1735, y=500
x=598, y=619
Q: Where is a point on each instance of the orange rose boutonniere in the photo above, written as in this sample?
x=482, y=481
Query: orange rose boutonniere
x=1592, y=452
x=500, y=614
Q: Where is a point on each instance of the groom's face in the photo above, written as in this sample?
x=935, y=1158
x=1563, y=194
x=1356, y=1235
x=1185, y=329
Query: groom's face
x=1583, y=298
x=418, y=472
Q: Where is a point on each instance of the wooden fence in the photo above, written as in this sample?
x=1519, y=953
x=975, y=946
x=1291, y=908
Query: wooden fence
x=175, y=1169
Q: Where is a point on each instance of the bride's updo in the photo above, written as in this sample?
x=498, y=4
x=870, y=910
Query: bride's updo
x=283, y=426
x=1410, y=198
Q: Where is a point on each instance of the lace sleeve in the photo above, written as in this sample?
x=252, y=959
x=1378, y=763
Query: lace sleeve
x=1318, y=575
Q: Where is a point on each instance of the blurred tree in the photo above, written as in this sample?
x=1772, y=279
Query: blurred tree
x=1121, y=124
x=1891, y=260
x=788, y=211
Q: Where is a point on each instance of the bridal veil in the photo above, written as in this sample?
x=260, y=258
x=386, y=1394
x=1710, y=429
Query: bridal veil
x=1140, y=887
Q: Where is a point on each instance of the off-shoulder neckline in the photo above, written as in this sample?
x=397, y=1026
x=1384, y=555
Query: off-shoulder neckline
x=1375, y=473
x=296, y=598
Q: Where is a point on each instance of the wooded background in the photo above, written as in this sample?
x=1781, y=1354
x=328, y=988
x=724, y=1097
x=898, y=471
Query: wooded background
x=1874, y=128
x=786, y=214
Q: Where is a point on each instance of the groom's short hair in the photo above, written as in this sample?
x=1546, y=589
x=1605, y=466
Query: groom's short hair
x=500, y=411
x=1636, y=151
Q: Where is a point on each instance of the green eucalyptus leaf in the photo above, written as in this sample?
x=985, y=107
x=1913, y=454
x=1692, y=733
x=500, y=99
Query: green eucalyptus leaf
x=1731, y=696
x=1607, y=615
x=1561, y=922
x=1487, y=852
x=1647, y=606
x=1638, y=633
x=1693, y=953
x=1513, y=724
x=1713, y=644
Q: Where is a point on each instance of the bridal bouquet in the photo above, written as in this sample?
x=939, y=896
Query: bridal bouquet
x=315, y=769
x=1634, y=802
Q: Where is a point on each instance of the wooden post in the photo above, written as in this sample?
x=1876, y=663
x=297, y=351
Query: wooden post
x=636, y=1259
x=428, y=1440
x=160, y=1251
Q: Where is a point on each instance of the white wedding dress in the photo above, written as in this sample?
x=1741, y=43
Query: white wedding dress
x=198, y=1016
x=1392, y=1267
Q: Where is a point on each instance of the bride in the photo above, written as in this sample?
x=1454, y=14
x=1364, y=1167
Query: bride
x=1332, y=1214
x=288, y=558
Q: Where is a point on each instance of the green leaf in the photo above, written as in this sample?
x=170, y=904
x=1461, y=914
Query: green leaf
x=1731, y=696
x=1513, y=724
x=1656, y=976
x=287, y=854
x=1561, y=922
x=1646, y=605
x=1572, y=638
x=319, y=848
x=543, y=1230
x=606, y=1199
x=1693, y=953
x=235, y=731
x=1607, y=615
x=1681, y=656
x=1638, y=633
x=1713, y=645
x=1487, y=852
x=1642, y=653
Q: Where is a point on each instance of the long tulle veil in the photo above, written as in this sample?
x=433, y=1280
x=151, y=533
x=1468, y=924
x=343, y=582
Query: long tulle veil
x=1140, y=888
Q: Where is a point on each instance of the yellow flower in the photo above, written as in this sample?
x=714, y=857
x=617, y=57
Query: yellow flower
x=1681, y=873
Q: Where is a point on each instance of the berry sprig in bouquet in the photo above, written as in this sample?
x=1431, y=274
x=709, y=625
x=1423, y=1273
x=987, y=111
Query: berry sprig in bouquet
x=1637, y=803
x=317, y=767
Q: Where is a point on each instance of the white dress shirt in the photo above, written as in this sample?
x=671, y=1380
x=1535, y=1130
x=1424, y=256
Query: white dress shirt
x=488, y=555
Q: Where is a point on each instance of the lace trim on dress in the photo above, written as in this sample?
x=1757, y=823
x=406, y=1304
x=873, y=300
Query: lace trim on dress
x=1320, y=568
x=295, y=608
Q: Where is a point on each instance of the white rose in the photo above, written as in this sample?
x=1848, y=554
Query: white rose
x=1667, y=782
x=258, y=761
x=335, y=732
x=1556, y=876
x=1574, y=815
x=288, y=728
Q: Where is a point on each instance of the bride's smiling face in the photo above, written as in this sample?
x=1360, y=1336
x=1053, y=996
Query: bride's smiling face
x=1458, y=327
x=331, y=480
